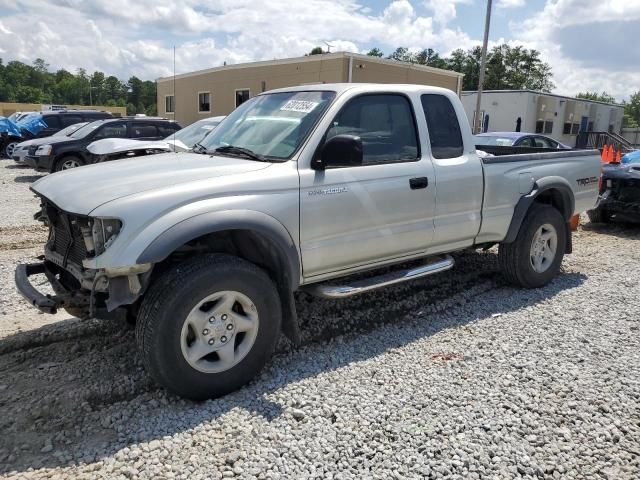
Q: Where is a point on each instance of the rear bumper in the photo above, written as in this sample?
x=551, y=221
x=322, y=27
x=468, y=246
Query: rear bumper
x=46, y=303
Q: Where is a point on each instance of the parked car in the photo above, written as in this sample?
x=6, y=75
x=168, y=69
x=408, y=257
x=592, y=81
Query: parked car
x=180, y=141
x=298, y=189
x=619, y=197
x=519, y=139
x=20, y=151
x=62, y=153
x=44, y=124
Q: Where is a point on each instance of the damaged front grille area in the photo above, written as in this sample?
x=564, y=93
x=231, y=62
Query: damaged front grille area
x=66, y=246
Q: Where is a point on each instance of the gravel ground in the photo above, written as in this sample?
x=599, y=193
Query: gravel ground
x=455, y=376
x=17, y=202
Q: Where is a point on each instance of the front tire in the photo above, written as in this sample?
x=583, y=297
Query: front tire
x=534, y=258
x=67, y=163
x=207, y=326
x=9, y=148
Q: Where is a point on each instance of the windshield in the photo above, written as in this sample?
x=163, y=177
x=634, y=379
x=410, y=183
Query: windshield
x=494, y=140
x=69, y=130
x=272, y=125
x=195, y=132
x=86, y=130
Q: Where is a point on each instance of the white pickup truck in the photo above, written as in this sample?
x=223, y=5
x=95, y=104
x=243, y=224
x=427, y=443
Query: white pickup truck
x=297, y=189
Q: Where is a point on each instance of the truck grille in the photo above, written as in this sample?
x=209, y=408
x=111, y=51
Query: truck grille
x=65, y=237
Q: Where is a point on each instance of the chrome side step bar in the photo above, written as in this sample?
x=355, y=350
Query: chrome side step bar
x=367, y=284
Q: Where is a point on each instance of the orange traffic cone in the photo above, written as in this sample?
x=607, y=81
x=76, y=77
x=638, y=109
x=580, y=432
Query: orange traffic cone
x=610, y=154
x=604, y=154
x=618, y=156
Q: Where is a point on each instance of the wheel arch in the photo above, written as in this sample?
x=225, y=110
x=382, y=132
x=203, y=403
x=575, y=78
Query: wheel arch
x=554, y=191
x=254, y=236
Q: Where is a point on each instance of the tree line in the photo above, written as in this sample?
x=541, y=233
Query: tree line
x=507, y=68
x=24, y=83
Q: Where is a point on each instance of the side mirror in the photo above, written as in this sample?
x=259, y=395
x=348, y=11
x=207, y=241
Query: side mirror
x=339, y=151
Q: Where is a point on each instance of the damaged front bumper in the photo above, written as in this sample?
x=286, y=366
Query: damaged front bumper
x=47, y=303
x=105, y=296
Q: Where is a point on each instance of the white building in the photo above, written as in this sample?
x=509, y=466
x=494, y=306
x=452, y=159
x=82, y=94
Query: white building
x=554, y=115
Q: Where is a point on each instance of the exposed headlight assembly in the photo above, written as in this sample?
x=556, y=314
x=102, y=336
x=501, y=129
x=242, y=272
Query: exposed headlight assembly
x=103, y=233
x=43, y=150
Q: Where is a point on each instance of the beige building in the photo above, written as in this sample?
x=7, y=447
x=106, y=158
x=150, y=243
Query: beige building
x=217, y=91
x=8, y=108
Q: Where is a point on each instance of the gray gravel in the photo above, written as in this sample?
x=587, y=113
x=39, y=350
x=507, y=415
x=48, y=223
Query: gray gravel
x=456, y=376
x=17, y=202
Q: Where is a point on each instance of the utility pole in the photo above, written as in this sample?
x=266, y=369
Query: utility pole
x=477, y=128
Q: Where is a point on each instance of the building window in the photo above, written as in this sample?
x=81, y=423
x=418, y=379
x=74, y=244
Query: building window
x=575, y=128
x=566, y=130
x=539, y=126
x=242, y=96
x=169, y=104
x=204, y=102
x=548, y=127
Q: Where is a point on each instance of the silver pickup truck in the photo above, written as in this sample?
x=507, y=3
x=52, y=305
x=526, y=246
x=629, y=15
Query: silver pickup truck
x=297, y=189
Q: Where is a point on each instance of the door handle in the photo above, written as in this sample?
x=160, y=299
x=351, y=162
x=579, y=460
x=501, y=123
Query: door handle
x=418, y=182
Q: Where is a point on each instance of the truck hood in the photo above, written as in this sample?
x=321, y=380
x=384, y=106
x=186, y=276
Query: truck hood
x=82, y=190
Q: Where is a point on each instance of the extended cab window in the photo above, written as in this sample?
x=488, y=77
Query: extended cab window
x=443, y=125
x=385, y=124
x=112, y=130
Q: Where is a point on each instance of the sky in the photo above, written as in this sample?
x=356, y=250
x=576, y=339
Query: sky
x=590, y=44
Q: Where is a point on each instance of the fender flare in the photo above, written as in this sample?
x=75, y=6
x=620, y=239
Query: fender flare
x=540, y=186
x=191, y=228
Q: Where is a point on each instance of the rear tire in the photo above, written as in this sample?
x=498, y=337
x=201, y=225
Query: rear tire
x=599, y=215
x=67, y=163
x=534, y=258
x=207, y=326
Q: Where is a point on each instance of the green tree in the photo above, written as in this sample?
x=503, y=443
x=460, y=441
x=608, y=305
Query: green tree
x=375, y=52
x=402, y=54
x=507, y=68
x=316, y=51
x=632, y=110
x=431, y=58
x=598, y=97
x=28, y=94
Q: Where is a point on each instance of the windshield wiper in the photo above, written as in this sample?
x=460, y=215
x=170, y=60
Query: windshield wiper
x=199, y=148
x=240, y=151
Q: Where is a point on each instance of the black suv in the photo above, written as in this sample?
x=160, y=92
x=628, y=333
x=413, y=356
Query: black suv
x=62, y=153
x=55, y=121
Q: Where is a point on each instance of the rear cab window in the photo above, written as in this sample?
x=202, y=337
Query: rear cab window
x=444, y=127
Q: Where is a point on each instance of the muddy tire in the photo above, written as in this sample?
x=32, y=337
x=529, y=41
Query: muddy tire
x=534, y=258
x=598, y=215
x=207, y=326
